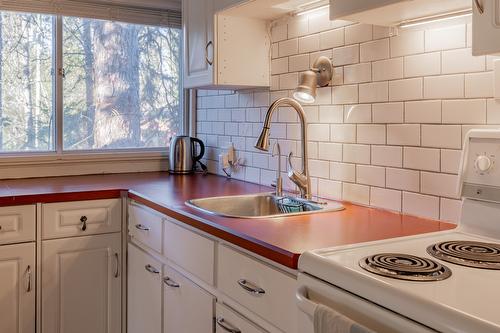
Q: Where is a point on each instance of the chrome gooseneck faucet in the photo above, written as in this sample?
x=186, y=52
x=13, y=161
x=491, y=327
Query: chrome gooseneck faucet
x=301, y=179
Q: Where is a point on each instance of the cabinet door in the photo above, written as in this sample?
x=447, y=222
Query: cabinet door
x=486, y=27
x=229, y=321
x=81, y=285
x=187, y=307
x=199, y=44
x=144, y=292
x=17, y=294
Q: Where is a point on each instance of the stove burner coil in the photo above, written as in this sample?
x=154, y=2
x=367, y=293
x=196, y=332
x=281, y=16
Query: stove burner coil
x=405, y=267
x=468, y=253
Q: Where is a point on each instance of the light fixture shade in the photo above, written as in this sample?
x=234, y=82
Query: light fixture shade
x=306, y=91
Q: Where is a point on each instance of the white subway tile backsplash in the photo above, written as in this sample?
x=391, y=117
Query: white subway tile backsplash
x=386, y=113
x=405, y=90
x=374, y=50
x=445, y=38
x=331, y=39
x=343, y=172
x=445, y=86
x=385, y=198
x=346, y=55
x=479, y=85
x=403, y=134
x=422, y=64
x=462, y=61
x=421, y=158
x=373, y=92
x=358, y=73
x=389, y=69
x=465, y=111
x=439, y=184
x=371, y=134
x=421, y=205
x=355, y=153
x=387, y=156
x=358, y=33
x=388, y=129
x=423, y=112
x=370, y=175
x=356, y=193
x=408, y=42
x=403, y=179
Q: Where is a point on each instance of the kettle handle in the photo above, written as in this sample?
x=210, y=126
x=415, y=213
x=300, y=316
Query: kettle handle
x=202, y=149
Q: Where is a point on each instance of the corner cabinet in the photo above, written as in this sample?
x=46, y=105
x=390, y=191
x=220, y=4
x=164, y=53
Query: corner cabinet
x=224, y=51
x=485, y=27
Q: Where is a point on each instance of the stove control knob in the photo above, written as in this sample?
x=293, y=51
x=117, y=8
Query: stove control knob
x=483, y=163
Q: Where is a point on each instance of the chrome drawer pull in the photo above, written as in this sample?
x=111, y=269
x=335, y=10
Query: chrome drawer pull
x=210, y=62
x=250, y=287
x=28, y=273
x=479, y=6
x=151, y=269
x=117, y=271
x=83, y=219
x=141, y=227
x=226, y=326
x=171, y=283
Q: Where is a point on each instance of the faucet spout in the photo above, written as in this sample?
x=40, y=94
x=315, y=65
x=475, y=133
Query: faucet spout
x=263, y=141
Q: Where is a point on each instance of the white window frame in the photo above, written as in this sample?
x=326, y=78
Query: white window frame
x=59, y=155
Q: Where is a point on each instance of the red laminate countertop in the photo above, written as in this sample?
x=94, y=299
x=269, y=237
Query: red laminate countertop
x=279, y=239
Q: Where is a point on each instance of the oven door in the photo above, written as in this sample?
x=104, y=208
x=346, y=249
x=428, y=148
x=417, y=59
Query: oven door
x=312, y=291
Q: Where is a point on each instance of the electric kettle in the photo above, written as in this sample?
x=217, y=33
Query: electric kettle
x=183, y=154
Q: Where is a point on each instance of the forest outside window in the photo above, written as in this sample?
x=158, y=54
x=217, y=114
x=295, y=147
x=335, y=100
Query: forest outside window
x=119, y=84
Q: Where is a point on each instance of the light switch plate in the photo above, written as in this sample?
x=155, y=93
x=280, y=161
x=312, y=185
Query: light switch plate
x=496, y=66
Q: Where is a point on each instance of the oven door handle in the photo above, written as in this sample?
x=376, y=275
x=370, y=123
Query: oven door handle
x=304, y=303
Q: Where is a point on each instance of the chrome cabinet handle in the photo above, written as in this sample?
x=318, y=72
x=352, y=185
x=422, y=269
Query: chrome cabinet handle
x=210, y=62
x=171, y=283
x=28, y=273
x=250, y=287
x=142, y=227
x=117, y=260
x=151, y=269
x=479, y=6
x=83, y=219
x=227, y=326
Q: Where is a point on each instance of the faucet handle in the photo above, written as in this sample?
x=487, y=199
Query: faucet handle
x=289, y=161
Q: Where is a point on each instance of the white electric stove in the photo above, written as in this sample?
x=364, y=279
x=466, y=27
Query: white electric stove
x=446, y=281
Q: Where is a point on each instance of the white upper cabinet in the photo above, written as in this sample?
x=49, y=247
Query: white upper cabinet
x=393, y=12
x=486, y=27
x=222, y=50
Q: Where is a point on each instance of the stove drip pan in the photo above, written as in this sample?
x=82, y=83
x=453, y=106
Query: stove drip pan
x=405, y=267
x=468, y=253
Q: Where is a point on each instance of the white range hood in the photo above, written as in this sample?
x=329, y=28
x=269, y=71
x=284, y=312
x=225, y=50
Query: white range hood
x=392, y=12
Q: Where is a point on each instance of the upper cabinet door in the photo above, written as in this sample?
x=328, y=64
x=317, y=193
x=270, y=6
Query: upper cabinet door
x=199, y=43
x=485, y=27
x=17, y=288
x=81, y=284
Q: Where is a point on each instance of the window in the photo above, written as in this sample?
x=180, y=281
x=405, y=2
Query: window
x=26, y=82
x=119, y=87
x=122, y=86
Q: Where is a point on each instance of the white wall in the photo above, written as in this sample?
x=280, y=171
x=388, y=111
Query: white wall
x=389, y=130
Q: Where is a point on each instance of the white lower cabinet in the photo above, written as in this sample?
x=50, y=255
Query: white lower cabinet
x=228, y=321
x=81, y=284
x=144, y=292
x=187, y=308
x=17, y=288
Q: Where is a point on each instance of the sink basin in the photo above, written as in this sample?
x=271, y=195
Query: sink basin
x=261, y=205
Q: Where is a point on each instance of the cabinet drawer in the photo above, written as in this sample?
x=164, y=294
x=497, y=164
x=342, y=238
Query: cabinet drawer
x=187, y=308
x=80, y=218
x=145, y=226
x=227, y=320
x=262, y=289
x=190, y=251
x=17, y=224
